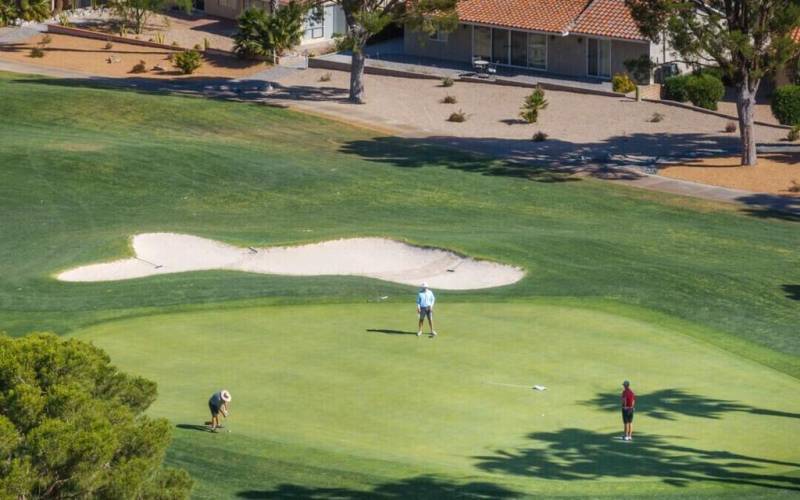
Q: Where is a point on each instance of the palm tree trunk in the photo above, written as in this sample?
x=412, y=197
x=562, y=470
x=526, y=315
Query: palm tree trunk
x=746, y=109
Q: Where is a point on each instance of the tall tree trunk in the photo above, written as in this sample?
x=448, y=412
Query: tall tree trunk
x=358, y=60
x=746, y=109
x=273, y=6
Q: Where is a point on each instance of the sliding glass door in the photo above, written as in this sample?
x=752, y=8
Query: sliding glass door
x=599, y=57
x=482, y=43
x=519, y=48
x=499, y=46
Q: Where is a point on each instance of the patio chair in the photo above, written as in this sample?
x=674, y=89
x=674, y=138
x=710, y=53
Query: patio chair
x=491, y=70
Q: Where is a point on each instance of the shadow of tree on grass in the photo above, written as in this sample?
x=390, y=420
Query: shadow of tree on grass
x=667, y=404
x=422, y=487
x=792, y=291
x=578, y=454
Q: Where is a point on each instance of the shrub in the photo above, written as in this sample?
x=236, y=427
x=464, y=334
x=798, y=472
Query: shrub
x=457, y=117
x=198, y=47
x=705, y=90
x=730, y=127
x=325, y=77
x=37, y=52
x=795, y=187
x=675, y=88
x=622, y=83
x=449, y=99
x=539, y=137
x=532, y=105
x=640, y=68
x=786, y=104
x=63, y=19
x=206, y=43
x=46, y=40
x=447, y=82
x=175, y=43
x=656, y=118
x=159, y=38
x=260, y=33
x=187, y=61
x=108, y=46
x=794, y=133
x=140, y=67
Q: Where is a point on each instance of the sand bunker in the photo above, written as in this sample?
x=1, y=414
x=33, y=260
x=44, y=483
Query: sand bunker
x=166, y=253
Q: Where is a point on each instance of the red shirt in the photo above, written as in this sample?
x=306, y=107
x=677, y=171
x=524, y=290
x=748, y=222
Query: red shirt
x=628, y=398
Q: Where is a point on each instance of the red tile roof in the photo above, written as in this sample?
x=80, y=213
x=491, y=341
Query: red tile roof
x=537, y=15
x=609, y=18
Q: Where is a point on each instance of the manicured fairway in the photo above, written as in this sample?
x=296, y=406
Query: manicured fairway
x=316, y=379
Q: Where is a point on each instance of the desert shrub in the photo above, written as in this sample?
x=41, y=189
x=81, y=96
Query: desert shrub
x=656, y=118
x=448, y=82
x=206, y=43
x=188, y=61
x=786, y=104
x=705, y=90
x=457, y=117
x=794, y=133
x=37, y=52
x=325, y=77
x=539, y=137
x=46, y=40
x=198, y=47
x=140, y=67
x=159, y=38
x=622, y=83
x=175, y=43
x=795, y=187
x=449, y=99
x=730, y=127
x=534, y=103
x=675, y=88
x=108, y=46
x=63, y=19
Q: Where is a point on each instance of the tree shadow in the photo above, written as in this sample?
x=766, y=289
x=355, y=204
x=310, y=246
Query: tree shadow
x=667, y=404
x=390, y=332
x=792, y=291
x=578, y=454
x=771, y=206
x=422, y=487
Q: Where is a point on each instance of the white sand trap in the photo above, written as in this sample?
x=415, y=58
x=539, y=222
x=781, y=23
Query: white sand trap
x=166, y=253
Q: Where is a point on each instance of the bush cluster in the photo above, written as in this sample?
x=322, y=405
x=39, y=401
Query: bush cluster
x=786, y=104
x=622, y=83
x=533, y=103
x=703, y=90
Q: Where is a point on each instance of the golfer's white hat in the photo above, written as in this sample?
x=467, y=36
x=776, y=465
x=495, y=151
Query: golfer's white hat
x=424, y=285
x=226, y=396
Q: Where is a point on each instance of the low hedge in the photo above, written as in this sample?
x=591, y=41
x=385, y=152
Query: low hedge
x=705, y=90
x=675, y=88
x=786, y=104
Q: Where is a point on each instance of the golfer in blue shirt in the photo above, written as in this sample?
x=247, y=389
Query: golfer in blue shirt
x=425, y=301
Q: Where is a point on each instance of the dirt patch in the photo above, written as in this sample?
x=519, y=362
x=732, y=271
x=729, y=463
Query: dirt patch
x=776, y=173
x=91, y=56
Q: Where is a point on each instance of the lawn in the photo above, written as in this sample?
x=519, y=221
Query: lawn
x=711, y=291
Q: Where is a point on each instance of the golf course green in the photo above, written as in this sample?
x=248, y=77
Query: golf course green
x=697, y=303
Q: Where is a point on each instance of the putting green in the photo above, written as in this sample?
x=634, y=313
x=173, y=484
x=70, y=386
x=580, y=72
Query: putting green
x=338, y=400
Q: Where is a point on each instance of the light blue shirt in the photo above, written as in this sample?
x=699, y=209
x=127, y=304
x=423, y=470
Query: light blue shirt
x=425, y=298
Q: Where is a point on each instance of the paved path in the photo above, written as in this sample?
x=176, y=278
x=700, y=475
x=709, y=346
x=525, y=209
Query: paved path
x=258, y=88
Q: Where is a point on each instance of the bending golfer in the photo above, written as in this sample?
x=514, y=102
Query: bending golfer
x=425, y=301
x=628, y=402
x=218, y=403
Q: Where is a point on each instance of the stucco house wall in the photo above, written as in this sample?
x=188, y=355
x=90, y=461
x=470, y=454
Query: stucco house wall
x=457, y=47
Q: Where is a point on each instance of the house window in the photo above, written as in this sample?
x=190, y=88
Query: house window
x=537, y=51
x=482, y=43
x=315, y=25
x=599, y=57
x=439, y=36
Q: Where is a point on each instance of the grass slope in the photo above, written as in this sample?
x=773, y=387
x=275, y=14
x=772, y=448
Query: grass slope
x=348, y=397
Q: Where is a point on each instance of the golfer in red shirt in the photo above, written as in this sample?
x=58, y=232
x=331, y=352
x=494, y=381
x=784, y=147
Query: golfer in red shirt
x=628, y=402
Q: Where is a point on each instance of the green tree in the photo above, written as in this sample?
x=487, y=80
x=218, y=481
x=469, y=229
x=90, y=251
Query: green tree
x=27, y=10
x=262, y=33
x=135, y=13
x=365, y=18
x=746, y=39
x=71, y=425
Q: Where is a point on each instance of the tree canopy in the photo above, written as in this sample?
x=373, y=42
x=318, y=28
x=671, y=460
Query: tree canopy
x=746, y=39
x=73, y=425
